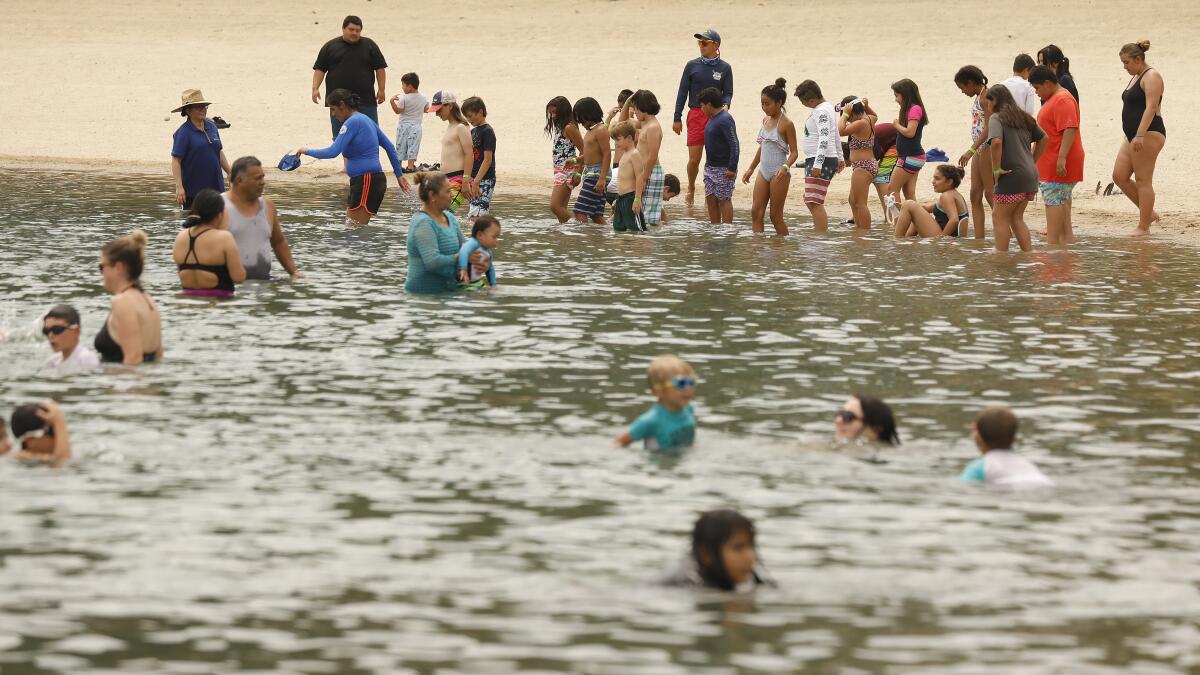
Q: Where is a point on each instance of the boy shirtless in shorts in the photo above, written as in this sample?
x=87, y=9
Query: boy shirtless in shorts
x=631, y=179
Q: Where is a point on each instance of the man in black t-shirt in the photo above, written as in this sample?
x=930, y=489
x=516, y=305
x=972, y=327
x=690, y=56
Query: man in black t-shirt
x=351, y=62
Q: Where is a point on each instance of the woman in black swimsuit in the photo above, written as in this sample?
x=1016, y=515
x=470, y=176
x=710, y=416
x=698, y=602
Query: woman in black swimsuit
x=1145, y=134
x=132, y=333
x=208, y=266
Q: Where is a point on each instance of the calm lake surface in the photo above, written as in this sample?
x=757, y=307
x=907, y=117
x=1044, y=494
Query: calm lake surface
x=330, y=476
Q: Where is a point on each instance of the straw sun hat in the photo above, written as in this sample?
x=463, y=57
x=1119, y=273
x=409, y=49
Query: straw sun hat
x=192, y=97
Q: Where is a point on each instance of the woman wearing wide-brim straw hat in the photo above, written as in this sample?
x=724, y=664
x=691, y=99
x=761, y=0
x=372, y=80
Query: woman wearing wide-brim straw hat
x=197, y=156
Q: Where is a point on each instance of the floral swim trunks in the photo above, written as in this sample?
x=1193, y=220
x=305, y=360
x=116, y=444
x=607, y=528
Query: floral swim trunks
x=1057, y=194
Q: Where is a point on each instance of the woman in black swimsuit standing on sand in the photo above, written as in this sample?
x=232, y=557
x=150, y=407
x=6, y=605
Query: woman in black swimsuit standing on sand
x=1145, y=134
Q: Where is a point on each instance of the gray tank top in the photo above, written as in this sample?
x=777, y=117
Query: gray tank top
x=253, y=236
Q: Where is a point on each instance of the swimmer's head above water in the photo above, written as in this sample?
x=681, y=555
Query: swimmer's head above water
x=672, y=380
x=864, y=417
x=723, y=549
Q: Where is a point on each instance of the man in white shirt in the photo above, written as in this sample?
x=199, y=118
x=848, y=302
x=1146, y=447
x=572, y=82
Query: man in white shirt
x=61, y=328
x=1019, y=85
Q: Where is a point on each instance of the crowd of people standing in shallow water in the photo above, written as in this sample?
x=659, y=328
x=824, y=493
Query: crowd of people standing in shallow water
x=1017, y=149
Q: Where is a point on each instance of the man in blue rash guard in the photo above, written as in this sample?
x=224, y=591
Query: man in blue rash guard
x=359, y=141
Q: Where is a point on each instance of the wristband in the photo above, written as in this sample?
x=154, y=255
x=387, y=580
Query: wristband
x=973, y=150
x=637, y=200
x=578, y=175
x=996, y=172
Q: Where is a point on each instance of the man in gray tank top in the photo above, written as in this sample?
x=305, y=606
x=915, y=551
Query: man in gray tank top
x=254, y=221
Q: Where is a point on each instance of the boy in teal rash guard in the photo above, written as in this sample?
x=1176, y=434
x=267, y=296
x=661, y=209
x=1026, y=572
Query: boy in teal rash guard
x=994, y=432
x=671, y=423
x=485, y=235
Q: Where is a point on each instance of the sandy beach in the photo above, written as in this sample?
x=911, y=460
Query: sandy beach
x=107, y=75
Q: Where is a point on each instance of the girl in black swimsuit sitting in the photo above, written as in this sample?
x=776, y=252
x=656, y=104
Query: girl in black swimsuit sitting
x=206, y=252
x=132, y=333
x=1145, y=134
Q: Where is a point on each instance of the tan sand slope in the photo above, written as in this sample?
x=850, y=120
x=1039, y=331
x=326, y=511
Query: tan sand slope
x=91, y=82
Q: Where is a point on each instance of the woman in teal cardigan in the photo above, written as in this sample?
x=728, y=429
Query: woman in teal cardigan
x=434, y=238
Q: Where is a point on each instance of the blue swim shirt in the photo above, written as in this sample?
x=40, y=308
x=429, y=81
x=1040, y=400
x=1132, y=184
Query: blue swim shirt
x=464, y=259
x=663, y=430
x=359, y=142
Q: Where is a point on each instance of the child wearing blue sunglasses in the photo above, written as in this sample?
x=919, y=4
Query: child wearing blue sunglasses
x=671, y=423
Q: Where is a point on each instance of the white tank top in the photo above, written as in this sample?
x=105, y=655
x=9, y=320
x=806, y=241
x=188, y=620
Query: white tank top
x=253, y=236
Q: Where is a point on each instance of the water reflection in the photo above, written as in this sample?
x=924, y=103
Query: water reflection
x=328, y=475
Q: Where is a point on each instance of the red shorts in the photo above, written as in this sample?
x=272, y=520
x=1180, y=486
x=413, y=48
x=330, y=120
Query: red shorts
x=696, y=121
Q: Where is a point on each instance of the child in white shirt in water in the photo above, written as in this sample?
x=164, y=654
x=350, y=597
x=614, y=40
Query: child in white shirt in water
x=994, y=432
x=485, y=235
x=61, y=326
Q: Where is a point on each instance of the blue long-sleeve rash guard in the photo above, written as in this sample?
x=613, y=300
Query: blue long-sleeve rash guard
x=359, y=142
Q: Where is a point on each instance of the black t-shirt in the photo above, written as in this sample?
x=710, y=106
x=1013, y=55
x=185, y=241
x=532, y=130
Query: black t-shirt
x=484, y=139
x=351, y=67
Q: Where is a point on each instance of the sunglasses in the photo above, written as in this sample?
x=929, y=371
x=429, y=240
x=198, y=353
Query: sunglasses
x=683, y=382
x=56, y=330
x=704, y=42
x=846, y=416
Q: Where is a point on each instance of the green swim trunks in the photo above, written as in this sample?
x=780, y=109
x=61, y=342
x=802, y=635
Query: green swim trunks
x=624, y=219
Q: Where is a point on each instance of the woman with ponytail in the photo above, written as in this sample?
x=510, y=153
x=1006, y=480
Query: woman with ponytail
x=777, y=150
x=208, y=266
x=132, y=333
x=1145, y=134
x=1052, y=56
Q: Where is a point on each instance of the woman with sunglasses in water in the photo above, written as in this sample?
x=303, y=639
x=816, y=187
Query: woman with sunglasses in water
x=866, y=418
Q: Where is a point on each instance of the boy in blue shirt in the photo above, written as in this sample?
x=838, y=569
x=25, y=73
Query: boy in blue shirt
x=485, y=235
x=994, y=432
x=671, y=423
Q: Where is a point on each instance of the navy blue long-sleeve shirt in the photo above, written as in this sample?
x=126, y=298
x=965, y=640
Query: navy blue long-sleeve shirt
x=721, y=147
x=698, y=76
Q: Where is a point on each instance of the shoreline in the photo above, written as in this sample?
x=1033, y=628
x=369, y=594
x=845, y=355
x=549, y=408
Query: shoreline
x=1093, y=214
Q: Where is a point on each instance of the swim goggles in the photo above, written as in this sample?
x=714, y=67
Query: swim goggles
x=683, y=382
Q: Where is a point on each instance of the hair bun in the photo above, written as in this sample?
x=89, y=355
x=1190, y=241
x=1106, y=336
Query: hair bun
x=139, y=239
x=1144, y=45
x=782, y=83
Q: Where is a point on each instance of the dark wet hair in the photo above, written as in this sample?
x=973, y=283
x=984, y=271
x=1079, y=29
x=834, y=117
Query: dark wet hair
x=878, y=416
x=206, y=206
x=1040, y=75
x=343, y=96
x=25, y=419
x=969, y=74
x=808, y=90
x=997, y=426
x=240, y=166
x=587, y=109
x=646, y=101
x=711, y=96
x=671, y=183
x=411, y=79
x=1005, y=107
x=562, y=109
x=624, y=96
x=1023, y=62
x=482, y=224
x=130, y=251
x=64, y=313
x=856, y=109
x=776, y=92
x=429, y=183
x=1052, y=55
x=709, y=534
x=473, y=105
x=910, y=95
x=351, y=19
x=952, y=173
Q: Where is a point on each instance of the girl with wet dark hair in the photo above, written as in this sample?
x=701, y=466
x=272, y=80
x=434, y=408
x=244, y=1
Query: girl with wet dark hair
x=777, y=150
x=208, y=265
x=971, y=81
x=565, y=139
x=1052, y=55
x=722, y=555
x=866, y=417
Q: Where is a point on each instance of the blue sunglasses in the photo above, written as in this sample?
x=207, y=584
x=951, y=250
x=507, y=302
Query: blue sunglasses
x=683, y=382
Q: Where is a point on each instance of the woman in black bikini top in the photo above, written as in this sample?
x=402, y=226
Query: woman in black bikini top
x=133, y=324
x=209, y=279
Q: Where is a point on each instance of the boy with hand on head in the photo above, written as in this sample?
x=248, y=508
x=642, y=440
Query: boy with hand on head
x=410, y=108
x=483, y=165
x=721, y=150
x=52, y=446
x=671, y=423
x=61, y=326
x=627, y=209
x=994, y=432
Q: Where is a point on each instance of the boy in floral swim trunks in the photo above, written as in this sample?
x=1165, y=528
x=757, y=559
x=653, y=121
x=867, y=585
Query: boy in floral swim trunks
x=721, y=151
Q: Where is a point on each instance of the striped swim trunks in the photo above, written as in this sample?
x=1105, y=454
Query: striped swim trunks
x=652, y=196
x=912, y=164
x=815, y=187
x=589, y=202
x=886, y=165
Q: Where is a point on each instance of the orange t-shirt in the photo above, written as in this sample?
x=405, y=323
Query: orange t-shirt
x=1059, y=113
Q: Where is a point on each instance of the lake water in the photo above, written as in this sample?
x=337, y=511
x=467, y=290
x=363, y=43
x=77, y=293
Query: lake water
x=332, y=476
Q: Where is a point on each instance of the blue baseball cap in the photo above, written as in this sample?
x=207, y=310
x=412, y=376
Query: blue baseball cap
x=289, y=162
x=709, y=34
x=440, y=99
